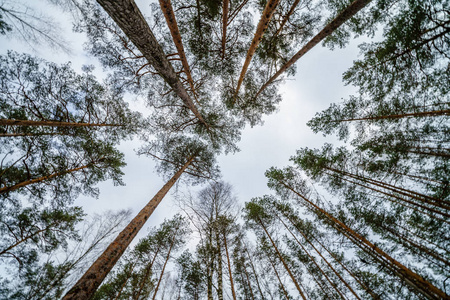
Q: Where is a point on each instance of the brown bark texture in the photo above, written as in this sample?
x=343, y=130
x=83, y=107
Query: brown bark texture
x=225, y=10
x=8, y=122
x=345, y=15
x=167, y=9
x=87, y=285
x=130, y=19
x=260, y=29
x=442, y=112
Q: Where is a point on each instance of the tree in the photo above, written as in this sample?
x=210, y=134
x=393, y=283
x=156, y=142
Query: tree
x=287, y=184
x=137, y=29
x=181, y=156
x=38, y=93
x=342, y=17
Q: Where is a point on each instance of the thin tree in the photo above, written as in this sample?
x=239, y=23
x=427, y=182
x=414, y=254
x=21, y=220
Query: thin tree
x=262, y=26
x=340, y=19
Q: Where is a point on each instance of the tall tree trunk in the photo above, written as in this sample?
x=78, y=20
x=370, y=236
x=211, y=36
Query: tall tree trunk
x=28, y=134
x=282, y=260
x=130, y=19
x=147, y=272
x=219, y=268
x=166, y=7
x=279, y=279
x=399, y=116
x=225, y=9
x=165, y=263
x=341, y=18
x=401, y=199
x=318, y=252
x=229, y=265
x=416, y=281
x=10, y=122
x=312, y=259
x=248, y=283
x=91, y=280
x=288, y=15
x=254, y=273
x=260, y=29
x=7, y=189
x=125, y=282
x=362, y=284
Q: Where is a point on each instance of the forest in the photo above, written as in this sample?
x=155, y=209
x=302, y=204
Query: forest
x=365, y=215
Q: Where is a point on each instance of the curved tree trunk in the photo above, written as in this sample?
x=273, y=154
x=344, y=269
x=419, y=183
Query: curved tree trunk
x=91, y=280
x=341, y=18
x=260, y=29
x=130, y=19
x=9, y=122
x=405, y=274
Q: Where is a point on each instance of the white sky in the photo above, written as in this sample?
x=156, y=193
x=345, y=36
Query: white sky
x=317, y=84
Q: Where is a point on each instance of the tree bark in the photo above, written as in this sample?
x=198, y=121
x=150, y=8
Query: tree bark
x=165, y=263
x=166, y=7
x=260, y=29
x=9, y=122
x=229, y=266
x=130, y=19
x=442, y=112
x=225, y=9
x=279, y=279
x=254, y=273
x=416, y=281
x=341, y=18
x=43, y=178
x=91, y=280
x=147, y=271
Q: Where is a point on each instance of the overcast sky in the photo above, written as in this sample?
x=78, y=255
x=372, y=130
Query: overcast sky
x=317, y=84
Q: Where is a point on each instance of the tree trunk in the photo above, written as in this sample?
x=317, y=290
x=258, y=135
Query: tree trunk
x=219, y=268
x=254, y=272
x=282, y=260
x=416, y=281
x=166, y=7
x=229, y=266
x=41, y=179
x=260, y=29
x=165, y=263
x=314, y=261
x=399, y=116
x=28, y=134
x=91, y=280
x=320, y=254
x=129, y=18
x=341, y=18
x=9, y=122
x=279, y=279
x=225, y=8
x=248, y=282
x=27, y=238
x=125, y=282
x=362, y=284
x=147, y=271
